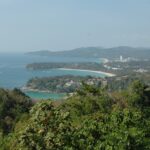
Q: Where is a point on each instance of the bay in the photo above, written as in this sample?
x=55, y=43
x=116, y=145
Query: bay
x=13, y=72
x=45, y=95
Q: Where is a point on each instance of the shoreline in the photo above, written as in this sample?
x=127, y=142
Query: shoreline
x=28, y=89
x=84, y=70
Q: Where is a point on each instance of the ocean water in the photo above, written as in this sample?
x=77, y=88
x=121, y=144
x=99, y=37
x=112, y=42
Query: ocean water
x=13, y=72
x=44, y=95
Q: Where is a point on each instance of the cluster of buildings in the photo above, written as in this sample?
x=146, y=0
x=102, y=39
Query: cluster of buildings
x=128, y=59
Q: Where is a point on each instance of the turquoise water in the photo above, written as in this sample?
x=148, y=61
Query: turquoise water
x=43, y=95
x=13, y=72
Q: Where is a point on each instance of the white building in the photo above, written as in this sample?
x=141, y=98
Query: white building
x=121, y=58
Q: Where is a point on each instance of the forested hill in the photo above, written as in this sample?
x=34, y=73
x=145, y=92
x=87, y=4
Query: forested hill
x=91, y=119
x=99, y=52
x=13, y=104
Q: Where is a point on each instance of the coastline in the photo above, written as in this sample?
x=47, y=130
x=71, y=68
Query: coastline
x=28, y=89
x=36, y=94
x=99, y=72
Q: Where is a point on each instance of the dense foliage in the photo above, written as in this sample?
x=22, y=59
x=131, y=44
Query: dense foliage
x=60, y=84
x=122, y=82
x=91, y=119
x=12, y=105
x=74, y=65
x=69, y=83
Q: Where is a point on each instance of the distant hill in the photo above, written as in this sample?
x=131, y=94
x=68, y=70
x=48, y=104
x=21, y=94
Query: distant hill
x=99, y=52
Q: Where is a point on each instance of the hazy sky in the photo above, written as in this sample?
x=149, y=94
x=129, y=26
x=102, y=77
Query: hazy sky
x=28, y=25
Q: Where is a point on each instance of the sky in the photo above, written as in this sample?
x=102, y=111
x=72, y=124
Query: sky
x=31, y=25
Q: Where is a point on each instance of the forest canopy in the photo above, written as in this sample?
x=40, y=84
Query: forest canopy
x=92, y=118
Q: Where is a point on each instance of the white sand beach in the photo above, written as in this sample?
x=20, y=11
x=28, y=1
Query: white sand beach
x=100, y=72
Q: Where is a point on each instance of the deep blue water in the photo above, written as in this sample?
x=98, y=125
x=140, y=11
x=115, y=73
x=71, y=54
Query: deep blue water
x=13, y=72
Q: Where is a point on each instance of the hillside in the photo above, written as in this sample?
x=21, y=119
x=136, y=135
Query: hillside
x=13, y=104
x=99, y=52
x=92, y=119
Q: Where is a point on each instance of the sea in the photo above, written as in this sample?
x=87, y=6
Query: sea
x=13, y=72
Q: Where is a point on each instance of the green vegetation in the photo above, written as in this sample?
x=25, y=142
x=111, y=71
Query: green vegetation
x=129, y=67
x=60, y=84
x=75, y=65
x=91, y=119
x=14, y=106
x=69, y=83
x=116, y=67
x=122, y=82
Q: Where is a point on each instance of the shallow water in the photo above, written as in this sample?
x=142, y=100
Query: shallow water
x=44, y=95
